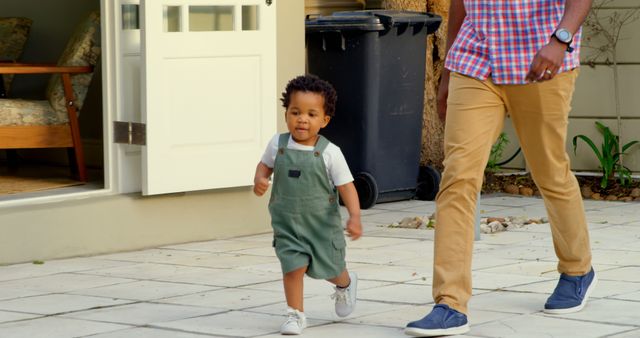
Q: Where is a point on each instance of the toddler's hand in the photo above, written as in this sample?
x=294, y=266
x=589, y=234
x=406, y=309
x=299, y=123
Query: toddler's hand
x=260, y=186
x=354, y=228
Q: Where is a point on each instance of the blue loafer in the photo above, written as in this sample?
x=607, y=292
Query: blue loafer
x=442, y=321
x=571, y=293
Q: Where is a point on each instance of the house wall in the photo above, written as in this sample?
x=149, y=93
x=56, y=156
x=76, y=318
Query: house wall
x=89, y=226
x=594, y=100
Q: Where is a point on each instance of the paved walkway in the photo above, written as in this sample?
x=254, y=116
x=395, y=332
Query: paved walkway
x=232, y=287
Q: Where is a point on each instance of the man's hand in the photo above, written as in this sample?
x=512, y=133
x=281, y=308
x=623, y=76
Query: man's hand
x=260, y=186
x=354, y=228
x=443, y=94
x=547, y=62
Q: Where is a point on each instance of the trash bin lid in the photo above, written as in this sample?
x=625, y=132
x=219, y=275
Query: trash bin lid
x=394, y=18
x=348, y=21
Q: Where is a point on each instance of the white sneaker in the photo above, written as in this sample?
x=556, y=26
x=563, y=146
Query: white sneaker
x=346, y=297
x=296, y=322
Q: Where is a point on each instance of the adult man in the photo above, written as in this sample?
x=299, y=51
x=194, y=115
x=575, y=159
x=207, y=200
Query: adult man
x=516, y=57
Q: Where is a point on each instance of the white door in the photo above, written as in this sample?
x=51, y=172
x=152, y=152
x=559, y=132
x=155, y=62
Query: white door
x=208, y=92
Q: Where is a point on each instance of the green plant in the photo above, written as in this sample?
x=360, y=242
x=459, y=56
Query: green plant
x=603, y=31
x=609, y=155
x=497, y=149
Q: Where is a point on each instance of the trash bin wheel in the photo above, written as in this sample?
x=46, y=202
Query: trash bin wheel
x=367, y=189
x=428, y=183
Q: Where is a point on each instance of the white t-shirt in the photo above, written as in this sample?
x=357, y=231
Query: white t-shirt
x=334, y=161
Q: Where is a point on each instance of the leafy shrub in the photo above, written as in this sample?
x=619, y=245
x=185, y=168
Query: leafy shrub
x=609, y=155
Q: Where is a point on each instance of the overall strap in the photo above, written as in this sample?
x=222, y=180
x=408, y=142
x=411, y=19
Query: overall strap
x=321, y=145
x=283, y=141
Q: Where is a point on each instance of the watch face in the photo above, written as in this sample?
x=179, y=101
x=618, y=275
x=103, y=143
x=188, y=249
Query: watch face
x=563, y=35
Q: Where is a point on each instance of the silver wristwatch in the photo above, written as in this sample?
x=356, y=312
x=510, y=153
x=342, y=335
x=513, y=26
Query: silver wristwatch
x=565, y=37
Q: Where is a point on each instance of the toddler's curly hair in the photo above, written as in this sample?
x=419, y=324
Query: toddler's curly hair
x=313, y=84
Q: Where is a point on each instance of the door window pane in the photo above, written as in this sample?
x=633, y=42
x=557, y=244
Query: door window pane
x=130, y=17
x=171, y=17
x=250, y=18
x=210, y=18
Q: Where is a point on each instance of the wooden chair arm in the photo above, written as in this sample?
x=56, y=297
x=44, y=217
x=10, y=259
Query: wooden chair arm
x=26, y=68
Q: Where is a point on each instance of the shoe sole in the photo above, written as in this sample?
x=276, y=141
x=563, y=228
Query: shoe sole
x=290, y=333
x=416, y=332
x=592, y=286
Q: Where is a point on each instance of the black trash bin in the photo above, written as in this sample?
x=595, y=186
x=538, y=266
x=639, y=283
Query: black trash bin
x=376, y=62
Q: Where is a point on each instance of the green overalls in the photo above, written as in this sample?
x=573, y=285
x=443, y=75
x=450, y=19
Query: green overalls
x=304, y=212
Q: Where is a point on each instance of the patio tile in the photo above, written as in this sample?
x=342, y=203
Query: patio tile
x=144, y=290
x=266, y=237
x=314, y=287
x=508, y=201
x=514, y=252
x=633, y=333
x=388, y=217
x=221, y=277
x=323, y=308
x=12, y=293
x=149, y=332
x=7, y=316
x=234, y=323
x=610, y=311
x=55, y=327
x=143, y=313
x=233, y=287
x=530, y=268
x=604, y=289
x=400, y=316
x=63, y=282
x=379, y=242
x=229, y=298
x=510, y=302
x=627, y=274
x=348, y=330
x=57, y=303
x=424, y=210
x=633, y=296
x=541, y=326
x=387, y=232
x=159, y=255
x=223, y=245
x=30, y=270
x=514, y=237
x=380, y=255
x=495, y=281
x=394, y=273
x=403, y=205
x=615, y=257
x=484, y=261
x=221, y=260
x=265, y=251
x=399, y=293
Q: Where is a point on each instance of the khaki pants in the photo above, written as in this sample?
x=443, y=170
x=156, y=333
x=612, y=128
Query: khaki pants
x=475, y=115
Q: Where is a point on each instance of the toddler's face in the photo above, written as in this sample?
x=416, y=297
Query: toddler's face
x=306, y=116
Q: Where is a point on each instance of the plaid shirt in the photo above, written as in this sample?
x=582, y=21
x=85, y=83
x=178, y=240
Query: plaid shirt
x=499, y=38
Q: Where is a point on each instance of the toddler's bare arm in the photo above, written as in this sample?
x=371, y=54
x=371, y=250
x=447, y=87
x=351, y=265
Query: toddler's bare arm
x=349, y=196
x=261, y=179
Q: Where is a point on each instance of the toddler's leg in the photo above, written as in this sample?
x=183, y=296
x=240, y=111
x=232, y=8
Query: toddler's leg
x=293, y=288
x=345, y=295
x=343, y=280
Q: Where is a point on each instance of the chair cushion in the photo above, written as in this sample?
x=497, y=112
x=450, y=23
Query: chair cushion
x=13, y=36
x=82, y=50
x=32, y=112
